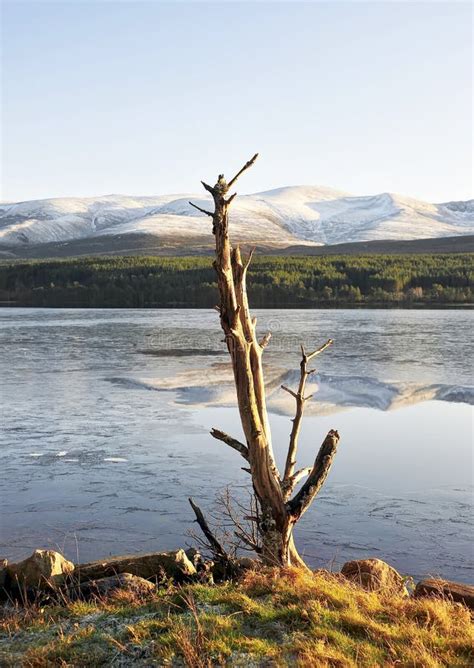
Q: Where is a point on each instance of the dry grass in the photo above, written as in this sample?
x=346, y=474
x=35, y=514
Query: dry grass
x=269, y=618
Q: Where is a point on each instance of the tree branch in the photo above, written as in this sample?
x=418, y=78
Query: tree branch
x=249, y=258
x=248, y=541
x=289, y=484
x=287, y=389
x=216, y=548
x=232, y=442
x=209, y=188
x=208, y=213
x=300, y=474
x=303, y=499
x=301, y=399
x=244, y=168
x=319, y=350
x=265, y=340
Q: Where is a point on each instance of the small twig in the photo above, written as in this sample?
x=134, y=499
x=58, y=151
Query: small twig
x=287, y=389
x=248, y=541
x=249, y=258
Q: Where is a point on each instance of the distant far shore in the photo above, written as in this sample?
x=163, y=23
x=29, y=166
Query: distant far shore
x=438, y=280
x=286, y=307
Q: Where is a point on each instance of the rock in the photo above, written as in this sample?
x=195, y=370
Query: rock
x=193, y=554
x=195, y=557
x=374, y=575
x=44, y=569
x=234, y=568
x=455, y=591
x=121, y=582
x=247, y=564
x=204, y=567
x=151, y=566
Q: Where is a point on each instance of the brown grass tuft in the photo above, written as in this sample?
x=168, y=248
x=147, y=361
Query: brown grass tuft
x=268, y=618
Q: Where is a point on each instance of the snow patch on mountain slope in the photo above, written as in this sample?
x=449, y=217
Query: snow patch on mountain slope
x=285, y=216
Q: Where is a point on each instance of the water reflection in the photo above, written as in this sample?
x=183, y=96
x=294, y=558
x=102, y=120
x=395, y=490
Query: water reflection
x=96, y=461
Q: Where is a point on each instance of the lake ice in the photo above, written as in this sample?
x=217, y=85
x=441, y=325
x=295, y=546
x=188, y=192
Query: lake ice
x=106, y=417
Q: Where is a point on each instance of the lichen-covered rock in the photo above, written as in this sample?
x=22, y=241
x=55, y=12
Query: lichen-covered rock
x=44, y=569
x=155, y=566
x=374, y=575
x=455, y=591
x=122, y=582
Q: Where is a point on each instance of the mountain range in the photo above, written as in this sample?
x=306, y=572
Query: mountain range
x=307, y=216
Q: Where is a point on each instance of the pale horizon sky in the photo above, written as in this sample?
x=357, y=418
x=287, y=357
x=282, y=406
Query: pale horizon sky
x=143, y=98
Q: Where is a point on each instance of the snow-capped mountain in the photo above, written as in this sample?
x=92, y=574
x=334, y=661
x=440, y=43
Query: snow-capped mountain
x=283, y=217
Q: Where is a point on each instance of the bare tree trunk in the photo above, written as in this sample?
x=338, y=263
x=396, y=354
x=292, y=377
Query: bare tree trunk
x=278, y=513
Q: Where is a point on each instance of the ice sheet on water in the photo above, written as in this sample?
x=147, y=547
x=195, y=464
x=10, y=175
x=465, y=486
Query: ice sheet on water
x=73, y=382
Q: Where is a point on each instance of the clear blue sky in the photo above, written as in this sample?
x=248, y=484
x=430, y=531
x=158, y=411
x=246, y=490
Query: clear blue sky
x=150, y=97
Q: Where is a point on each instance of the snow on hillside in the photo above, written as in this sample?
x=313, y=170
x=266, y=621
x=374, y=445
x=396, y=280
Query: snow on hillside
x=281, y=217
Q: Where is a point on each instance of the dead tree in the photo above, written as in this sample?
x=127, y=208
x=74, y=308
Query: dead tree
x=279, y=508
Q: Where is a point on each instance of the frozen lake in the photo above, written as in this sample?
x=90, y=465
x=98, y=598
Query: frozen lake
x=106, y=414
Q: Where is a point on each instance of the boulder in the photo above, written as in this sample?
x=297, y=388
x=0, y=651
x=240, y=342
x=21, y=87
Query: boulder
x=204, y=567
x=195, y=557
x=155, y=566
x=374, y=575
x=122, y=582
x=44, y=569
x=455, y=591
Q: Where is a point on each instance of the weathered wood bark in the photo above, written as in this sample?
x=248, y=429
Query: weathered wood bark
x=278, y=514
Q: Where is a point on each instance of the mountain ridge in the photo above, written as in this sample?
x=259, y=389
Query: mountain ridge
x=282, y=217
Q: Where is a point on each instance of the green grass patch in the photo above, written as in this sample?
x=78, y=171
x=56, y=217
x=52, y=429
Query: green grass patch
x=268, y=618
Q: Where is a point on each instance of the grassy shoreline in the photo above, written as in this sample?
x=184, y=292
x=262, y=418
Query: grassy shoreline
x=267, y=618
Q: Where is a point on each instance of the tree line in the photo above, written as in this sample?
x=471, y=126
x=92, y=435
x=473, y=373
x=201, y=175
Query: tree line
x=273, y=281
